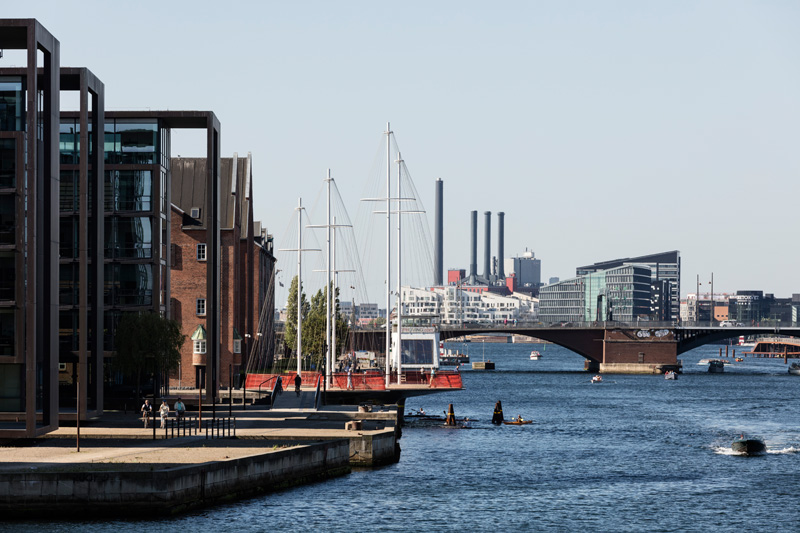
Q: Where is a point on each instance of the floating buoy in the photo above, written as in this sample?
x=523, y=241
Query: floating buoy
x=497, y=417
x=451, y=417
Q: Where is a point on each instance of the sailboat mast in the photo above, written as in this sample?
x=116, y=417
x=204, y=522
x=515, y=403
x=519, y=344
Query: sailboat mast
x=334, y=355
x=388, y=252
x=398, y=344
x=299, y=282
x=328, y=286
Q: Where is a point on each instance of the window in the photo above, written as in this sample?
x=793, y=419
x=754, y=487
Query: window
x=201, y=252
x=200, y=346
x=194, y=212
x=201, y=307
x=237, y=346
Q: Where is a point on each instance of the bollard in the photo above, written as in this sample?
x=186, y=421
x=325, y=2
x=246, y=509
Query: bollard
x=497, y=417
x=451, y=417
x=401, y=408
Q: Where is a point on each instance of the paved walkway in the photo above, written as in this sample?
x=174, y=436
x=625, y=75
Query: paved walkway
x=119, y=441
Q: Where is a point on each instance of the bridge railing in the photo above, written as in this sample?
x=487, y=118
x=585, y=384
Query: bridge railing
x=645, y=324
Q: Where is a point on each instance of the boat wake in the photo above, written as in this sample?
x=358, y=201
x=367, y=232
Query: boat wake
x=726, y=450
x=790, y=449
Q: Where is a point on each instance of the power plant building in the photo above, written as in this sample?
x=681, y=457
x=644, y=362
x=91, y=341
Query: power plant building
x=526, y=269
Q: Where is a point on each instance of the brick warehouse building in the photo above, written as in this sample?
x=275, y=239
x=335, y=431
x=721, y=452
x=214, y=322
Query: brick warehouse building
x=247, y=265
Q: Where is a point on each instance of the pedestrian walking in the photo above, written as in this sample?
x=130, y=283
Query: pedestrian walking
x=164, y=412
x=297, y=382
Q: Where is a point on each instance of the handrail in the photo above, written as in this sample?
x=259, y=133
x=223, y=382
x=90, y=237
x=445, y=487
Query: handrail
x=316, y=393
x=275, y=390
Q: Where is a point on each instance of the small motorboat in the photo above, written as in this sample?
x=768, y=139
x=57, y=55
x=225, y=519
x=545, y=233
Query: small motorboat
x=748, y=446
x=795, y=369
x=716, y=366
x=670, y=374
x=739, y=359
x=597, y=379
x=535, y=355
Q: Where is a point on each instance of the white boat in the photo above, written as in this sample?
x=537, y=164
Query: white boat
x=535, y=355
x=795, y=369
x=597, y=379
x=670, y=374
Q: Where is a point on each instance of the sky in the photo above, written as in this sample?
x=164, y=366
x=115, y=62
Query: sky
x=602, y=129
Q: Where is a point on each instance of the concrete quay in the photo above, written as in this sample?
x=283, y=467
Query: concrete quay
x=121, y=471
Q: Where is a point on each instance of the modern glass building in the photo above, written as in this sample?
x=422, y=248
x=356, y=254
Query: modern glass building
x=619, y=294
x=136, y=227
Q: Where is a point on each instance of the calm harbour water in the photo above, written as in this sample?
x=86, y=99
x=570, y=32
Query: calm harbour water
x=634, y=453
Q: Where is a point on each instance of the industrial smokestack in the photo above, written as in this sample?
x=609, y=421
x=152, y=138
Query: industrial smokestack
x=473, y=246
x=438, y=265
x=487, y=253
x=500, y=245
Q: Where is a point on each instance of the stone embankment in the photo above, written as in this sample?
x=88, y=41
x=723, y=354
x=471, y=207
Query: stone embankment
x=121, y=471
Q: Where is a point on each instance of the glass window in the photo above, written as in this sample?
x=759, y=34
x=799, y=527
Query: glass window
x=8, y=163
x=68, y=139
x=7, y=219
x=136, y=142
x=11, y=375
x=68, y=234
x=237, y=346
x=417, y=352
x=12, y=104
x=128, y=284
x=132, y=190
x=201, y=252
x=201, y=306
x=200, y=347
x=8, y=276
x=129, y=237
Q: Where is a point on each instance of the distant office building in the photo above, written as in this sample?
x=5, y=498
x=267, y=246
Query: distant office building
x=553, y=280
x=363, y=313
x=665, y=266
x=526, y=268
x=618, y=294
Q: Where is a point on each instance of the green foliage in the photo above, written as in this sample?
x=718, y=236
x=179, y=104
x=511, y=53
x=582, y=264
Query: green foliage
x=314, y=334
x=290, y=331
x=147, y=340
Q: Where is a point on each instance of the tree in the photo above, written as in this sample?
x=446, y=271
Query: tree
x=147, y=340
x=314, y=324
x=290, y=331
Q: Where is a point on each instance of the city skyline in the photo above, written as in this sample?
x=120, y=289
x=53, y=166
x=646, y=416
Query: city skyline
x=601, y=130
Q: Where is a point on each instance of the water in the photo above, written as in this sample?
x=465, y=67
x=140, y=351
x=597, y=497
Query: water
x=634, y=453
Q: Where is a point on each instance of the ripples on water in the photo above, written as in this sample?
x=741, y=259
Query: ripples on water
x=634, y=453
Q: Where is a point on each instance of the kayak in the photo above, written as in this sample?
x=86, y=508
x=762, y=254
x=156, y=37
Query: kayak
x=517, y=422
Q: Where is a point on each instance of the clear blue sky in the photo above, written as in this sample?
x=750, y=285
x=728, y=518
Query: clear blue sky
x=602, y=129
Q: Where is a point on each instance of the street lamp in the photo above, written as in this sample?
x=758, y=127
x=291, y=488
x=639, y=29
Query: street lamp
x=711, y=318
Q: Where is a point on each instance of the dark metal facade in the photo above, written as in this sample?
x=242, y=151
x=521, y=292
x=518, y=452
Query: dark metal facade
x=88, y=215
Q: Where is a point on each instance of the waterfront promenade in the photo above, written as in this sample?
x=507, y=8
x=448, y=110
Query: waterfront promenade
x=121, y=470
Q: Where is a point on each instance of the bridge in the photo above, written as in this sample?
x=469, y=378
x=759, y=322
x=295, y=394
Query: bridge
x=646, y=347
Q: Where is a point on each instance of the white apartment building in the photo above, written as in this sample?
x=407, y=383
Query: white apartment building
x=457, y=306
